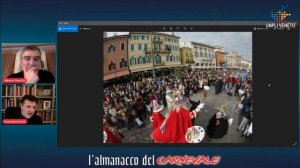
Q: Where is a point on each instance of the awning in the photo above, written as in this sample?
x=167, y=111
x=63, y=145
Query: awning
x=142, y=69
x=156, y=68
x=116, y=74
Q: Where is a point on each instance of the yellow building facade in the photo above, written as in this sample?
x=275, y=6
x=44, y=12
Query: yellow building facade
x=151, y=49
x=187, y=56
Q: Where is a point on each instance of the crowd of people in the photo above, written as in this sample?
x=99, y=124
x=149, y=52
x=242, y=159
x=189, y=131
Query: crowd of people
x=130, y=104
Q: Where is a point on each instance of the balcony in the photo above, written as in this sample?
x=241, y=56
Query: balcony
x=159, y=64
x=157, y=51
x=190, y=62
x=155, y=40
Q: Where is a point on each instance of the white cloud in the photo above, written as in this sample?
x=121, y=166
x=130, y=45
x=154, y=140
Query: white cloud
x=110, y=34
x=241, y=42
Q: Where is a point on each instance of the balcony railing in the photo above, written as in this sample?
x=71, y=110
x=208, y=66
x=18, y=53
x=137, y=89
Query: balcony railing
x=155, y=40
x=157, y=51
x=159, y=64
x=190, y=62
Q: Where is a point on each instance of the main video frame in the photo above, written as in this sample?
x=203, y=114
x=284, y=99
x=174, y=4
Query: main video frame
x=177, y=87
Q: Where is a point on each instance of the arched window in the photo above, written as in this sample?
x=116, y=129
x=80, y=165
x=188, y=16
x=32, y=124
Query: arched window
x=123, y=63
x=197, y=54
x=144, y=60
x=177, y=58
x=122, y=46
x=158, y=59
x=111, y=66
x=201, y=54
x=132, y=61
x=111, y=48
x=168, y=58
x=150, y=58
x=140, y=60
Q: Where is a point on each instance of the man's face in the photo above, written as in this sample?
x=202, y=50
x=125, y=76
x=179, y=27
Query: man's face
x=31, y=60
x=28, y=108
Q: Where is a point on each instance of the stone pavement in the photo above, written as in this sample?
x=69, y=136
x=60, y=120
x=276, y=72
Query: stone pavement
x=142, y=135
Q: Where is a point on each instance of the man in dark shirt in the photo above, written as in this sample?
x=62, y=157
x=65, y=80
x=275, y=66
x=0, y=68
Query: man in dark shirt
x=27, y=111
x=31, y=65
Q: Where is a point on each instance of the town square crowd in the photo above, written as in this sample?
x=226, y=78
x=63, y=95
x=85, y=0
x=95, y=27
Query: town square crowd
x=130, y=104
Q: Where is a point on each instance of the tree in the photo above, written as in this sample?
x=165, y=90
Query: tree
x=178, y=71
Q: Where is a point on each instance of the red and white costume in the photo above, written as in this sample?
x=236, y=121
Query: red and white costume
x=111, y=135
x=174, y=127
x=156, y=117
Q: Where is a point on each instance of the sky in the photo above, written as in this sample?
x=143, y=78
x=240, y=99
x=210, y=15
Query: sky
x=241, y=42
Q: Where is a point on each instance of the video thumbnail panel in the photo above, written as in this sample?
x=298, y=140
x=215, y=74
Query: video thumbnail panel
x=28, y=84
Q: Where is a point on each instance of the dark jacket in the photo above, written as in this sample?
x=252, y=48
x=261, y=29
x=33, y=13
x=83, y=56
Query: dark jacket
x=15, y=113
x=44, y=76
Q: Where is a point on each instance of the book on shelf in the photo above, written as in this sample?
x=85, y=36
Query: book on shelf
x=39, y=104
x=24, y=90
x=48, y=116
x=8, y=103
x=8, y=90
x=39, y=92
x=44, y=91
x=45, y=116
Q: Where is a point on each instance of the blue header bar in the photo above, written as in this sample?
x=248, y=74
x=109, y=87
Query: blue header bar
x=67, y=28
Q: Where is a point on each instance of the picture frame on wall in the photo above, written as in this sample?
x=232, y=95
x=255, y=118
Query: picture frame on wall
x=47, y=104
x=47, y=92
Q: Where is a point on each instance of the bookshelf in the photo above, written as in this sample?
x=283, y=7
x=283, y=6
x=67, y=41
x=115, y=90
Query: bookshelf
x=45, y=93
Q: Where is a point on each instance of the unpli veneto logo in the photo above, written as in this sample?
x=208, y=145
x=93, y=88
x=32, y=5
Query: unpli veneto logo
x=280, y=22
x=281, y=14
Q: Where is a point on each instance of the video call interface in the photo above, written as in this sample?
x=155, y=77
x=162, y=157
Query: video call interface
x=28, y=88
x=166, y=84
